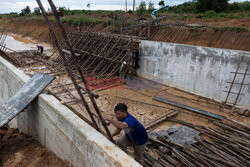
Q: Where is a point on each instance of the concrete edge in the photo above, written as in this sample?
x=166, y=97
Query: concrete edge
x=92, y=136
x=247, y=52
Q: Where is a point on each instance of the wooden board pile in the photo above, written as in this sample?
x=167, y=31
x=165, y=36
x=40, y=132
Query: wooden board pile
x=228, y=144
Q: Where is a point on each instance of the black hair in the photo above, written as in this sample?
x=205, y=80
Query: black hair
x=121, y=107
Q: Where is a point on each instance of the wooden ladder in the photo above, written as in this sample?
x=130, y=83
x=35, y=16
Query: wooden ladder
x=235, y=83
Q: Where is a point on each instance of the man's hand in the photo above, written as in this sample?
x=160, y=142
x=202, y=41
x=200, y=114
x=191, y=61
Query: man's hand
x=107, y=118
x=116, y=123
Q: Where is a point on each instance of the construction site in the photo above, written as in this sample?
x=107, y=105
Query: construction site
x=188, y=84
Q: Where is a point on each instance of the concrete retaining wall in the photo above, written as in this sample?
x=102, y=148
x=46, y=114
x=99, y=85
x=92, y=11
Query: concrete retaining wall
x=59, y=129
x=200, y=70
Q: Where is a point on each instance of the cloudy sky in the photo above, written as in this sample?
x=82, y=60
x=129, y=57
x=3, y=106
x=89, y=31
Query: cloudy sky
x=7, y=6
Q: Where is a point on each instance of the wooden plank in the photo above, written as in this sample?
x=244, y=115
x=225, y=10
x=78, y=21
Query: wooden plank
x=23, y=97
x=160, y=119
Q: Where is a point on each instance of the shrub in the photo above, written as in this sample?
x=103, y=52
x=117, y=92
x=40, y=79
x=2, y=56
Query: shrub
x=37, y=11
x=210, y=14
x=151, y=7
x=141, y=9
x=25, y=11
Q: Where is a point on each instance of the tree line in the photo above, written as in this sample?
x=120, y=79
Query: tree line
x=200, y=6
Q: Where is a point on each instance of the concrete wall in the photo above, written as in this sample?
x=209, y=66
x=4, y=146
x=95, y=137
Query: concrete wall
x=59, y=129
x=200, y=70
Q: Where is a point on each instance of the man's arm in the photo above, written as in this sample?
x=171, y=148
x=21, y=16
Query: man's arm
x=116, y=132
x=118, y=124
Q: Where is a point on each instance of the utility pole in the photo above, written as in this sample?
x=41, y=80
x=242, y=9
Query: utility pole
x=133, y=5
x=126, y=4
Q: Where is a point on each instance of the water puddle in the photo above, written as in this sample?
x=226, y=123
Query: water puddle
x=18, y=43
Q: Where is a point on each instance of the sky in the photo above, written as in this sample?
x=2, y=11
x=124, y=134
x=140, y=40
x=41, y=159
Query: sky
x=7, y=6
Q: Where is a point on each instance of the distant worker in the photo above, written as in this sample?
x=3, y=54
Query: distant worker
x=79, y=26
x=39, y=49
x=135, y=134
x=136, y=59
x=122, y=70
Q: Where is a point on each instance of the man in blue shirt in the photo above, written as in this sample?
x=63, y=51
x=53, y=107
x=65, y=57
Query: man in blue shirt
x=135, y=134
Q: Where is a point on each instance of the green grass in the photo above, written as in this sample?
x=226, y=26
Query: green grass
x=211, y=14
x=230, y=28
x=83, y=19
x=8, y=15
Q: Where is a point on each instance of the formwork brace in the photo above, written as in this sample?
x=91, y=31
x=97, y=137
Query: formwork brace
x=67, y=66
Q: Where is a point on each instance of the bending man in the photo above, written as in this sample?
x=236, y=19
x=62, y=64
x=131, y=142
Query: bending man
x=135, y=134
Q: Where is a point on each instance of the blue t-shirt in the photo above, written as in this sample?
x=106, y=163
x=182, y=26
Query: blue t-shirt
x=135, y=132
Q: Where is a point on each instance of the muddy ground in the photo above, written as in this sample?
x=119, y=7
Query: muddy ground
x=140, y=102
x=17, y=149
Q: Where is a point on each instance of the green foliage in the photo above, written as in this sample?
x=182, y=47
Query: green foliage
x=62, y=9
x=234, y=6
x=130, y=11
x=210, y=14
x=151, y=7
x=37, y=11
x=141, y=10
x=213, y=14
x=82, y=19
x=242, y=6
x=13, y=14
x=230, y=28
x=161, y=3
x=239, y=29
x=186, y=7
x=216, y=5
x=25, y=11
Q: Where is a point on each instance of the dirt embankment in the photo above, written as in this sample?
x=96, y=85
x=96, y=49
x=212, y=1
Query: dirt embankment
x=17, y=149
x=227, y=39
x=206, y=36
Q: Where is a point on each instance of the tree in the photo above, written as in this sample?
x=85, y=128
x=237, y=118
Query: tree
x=161, y=3
x=37, y=10
x=216, y=5
x=62, y=9
x=25, y=11
x=234, y=6
x=151, y=7
x=142, y=8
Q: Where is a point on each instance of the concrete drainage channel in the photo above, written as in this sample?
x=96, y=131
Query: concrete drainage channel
x=203, y=71
x=58, y=128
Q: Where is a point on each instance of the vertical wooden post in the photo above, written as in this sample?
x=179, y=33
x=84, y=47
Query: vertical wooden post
x=53, y=7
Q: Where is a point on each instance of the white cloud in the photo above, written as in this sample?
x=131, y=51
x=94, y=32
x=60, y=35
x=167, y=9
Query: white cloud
x=7, y=6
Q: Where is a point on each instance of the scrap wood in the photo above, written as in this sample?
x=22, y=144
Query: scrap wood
x=223, y=150
x=160, y=120
x=136, y=101
x=228, y=128
x=9, y=58
x=239, y=124
x=153, y=161
x=206, y=113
